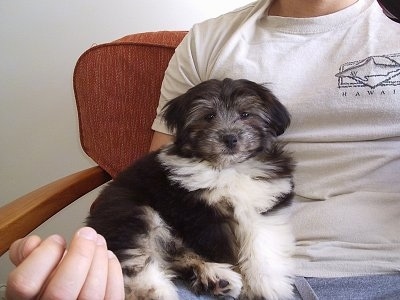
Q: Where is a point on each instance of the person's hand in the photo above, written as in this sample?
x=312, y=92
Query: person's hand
x=45, y=269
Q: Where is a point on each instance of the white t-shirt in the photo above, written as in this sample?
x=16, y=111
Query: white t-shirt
x=339, y=77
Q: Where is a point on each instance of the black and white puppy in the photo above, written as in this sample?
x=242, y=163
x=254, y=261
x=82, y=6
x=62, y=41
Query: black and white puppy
x=212, y=208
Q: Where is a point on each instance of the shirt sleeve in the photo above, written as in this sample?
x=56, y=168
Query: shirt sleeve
x=181, y=74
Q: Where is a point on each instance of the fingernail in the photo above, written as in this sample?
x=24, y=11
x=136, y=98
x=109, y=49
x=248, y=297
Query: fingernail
x=58, y=239
x=111, y=255
x=87, y=233
x=100, y=240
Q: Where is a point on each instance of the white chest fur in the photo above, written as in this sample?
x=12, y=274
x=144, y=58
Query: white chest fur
x=248, y=186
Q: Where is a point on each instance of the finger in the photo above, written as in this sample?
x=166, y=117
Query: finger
x=70, y=275
x=115, y=280
x=26, y=280
x=95, y=283
x=21, y=248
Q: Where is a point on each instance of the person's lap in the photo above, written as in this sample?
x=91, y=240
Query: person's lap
x=371, y=287
x=385, y=287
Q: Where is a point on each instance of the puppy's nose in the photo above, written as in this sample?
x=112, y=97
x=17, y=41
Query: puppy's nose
x=230, y=140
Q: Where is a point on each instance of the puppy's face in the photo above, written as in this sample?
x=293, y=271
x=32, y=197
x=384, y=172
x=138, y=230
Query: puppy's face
x=225, y=122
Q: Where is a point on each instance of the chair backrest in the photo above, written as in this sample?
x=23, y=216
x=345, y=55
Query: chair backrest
x=117, y=88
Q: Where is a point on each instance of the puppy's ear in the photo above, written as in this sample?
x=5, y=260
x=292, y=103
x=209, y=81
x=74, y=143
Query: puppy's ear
x=280, y=117
x=277, y=118
x=174, y=113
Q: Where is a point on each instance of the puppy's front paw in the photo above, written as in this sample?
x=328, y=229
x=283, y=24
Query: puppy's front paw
x=219, y=279
x=152, y=283
x=153, y=293
x=264, y=289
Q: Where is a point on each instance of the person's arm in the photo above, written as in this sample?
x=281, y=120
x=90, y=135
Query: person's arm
x=159, y=140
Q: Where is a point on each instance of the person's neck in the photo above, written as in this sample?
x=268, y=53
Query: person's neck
x=307, y=8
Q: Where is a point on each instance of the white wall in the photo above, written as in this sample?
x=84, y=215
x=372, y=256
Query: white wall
x=40, y=41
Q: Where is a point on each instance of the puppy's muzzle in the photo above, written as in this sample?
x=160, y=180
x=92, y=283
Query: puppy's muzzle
x=230, y=140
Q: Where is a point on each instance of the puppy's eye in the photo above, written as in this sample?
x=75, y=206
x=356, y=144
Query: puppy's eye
x=209, y=117
x=244, y=115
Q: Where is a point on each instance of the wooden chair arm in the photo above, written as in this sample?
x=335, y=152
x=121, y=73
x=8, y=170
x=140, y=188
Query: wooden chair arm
x=21, y=216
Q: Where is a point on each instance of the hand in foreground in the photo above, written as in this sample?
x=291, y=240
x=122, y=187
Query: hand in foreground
x=45, y=269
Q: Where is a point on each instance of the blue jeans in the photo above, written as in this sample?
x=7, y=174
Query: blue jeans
x=373, y=287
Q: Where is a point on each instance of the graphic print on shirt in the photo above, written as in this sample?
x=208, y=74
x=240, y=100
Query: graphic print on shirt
x=372, y=72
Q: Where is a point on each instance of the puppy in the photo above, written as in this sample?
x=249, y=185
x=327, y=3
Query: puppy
x=212, y=208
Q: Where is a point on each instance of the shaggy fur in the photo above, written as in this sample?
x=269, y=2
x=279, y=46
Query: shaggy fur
x=213, y=207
